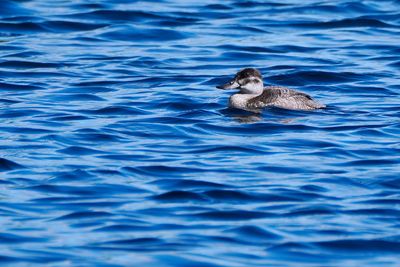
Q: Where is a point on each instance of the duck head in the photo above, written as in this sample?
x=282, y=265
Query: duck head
x=248, y=81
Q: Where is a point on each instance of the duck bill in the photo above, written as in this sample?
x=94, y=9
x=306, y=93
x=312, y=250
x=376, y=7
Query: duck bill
x=230, y=85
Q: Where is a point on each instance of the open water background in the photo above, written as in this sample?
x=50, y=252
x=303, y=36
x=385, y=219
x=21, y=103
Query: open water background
x=117, y=150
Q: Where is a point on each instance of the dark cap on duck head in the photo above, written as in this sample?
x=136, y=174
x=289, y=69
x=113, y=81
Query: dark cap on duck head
x=248, y=72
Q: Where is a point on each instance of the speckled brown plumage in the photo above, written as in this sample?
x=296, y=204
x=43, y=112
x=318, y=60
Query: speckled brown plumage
x=283, y=97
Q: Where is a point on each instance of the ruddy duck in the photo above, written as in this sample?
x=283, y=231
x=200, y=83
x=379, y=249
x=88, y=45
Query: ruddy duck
x=253, y=95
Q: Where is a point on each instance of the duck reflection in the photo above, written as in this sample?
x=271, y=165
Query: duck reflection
x=242, y=116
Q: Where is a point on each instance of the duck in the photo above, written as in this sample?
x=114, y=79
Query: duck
x=253, y=96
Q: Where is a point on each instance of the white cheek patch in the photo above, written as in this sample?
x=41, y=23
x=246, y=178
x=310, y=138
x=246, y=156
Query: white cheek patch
x=251, y=86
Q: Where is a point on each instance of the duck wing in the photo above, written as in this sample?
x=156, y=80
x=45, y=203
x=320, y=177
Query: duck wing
x=283, y=97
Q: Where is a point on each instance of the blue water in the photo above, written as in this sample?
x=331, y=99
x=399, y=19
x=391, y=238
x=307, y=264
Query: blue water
x=117, y=150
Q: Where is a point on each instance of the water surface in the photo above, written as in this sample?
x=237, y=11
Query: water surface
x=117, y=150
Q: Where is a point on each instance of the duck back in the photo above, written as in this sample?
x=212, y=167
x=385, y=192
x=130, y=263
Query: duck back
x=282, y=97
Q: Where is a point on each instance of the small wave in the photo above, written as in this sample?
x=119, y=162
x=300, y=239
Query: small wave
x=179, y=196
x=130, y=34
x=309, y=77
x=162, y=170
x=92, y=215
x=97, y=190
x=230, y=195
x=71, y=26
x=22, y=27
x=361, y=246
x=76, y=150
x=190, y=184
x=28, y=65
x=78, y=97
x=346, y=23
x=254, y=233
x=7, y=165
x=17, y=87
x=136, y=241
x=16, y=239
x=252, y=49
x=116, y=111
x=234, y=215
x=117, y=15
